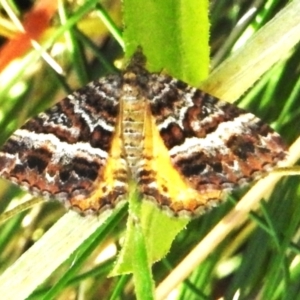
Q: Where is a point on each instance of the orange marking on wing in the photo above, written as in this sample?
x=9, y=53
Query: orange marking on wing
x=107, y=192
x=170, y=184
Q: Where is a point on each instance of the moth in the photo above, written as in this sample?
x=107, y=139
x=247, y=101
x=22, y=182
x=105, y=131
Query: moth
x=183, y=148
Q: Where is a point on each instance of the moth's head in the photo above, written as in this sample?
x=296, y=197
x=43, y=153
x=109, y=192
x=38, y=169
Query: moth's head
x=137, y=62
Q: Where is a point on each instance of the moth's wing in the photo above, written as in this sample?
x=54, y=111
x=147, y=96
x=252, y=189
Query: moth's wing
x=71, y=152
x=203, y=147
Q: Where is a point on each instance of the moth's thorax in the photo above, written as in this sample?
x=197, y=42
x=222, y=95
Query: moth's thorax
x=133, y=108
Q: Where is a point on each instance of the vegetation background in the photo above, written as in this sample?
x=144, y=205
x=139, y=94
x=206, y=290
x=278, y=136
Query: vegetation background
x=258, y=259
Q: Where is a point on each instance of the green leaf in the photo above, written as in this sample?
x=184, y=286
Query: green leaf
x=175, y=47
x=144, y=285
x=174, y=36
x=158, y=228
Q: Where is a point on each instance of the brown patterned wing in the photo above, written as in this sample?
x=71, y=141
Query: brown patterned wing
x=204, y=147
x=70, y=152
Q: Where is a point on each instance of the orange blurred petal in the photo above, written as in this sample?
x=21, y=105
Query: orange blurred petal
x=35, y=23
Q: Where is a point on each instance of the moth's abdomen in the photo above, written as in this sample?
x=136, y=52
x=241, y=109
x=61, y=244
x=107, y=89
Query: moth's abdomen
x=133, y=117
